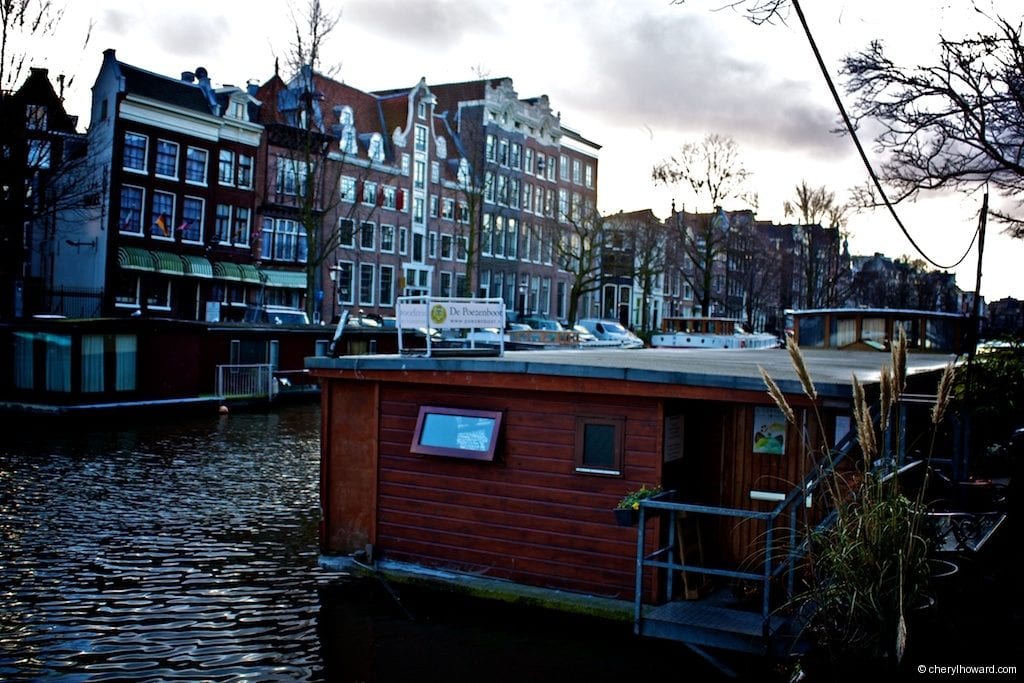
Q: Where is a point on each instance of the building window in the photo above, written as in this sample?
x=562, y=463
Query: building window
x=599, y=445
x=448, y=209
x=576, y=178
x=376, y=148
x=345, y=283
x=126, y=290
x=387, y=238
x=346, y=233
x=367, y=239
x=347, y=188
x=226, y=167
x=191, y=227
x=244, y=171
x=421, y=109
x=528, y=161
x=158, y=295
x=366, y=273
x=135, y=152
x=166, y=159
x=243, y=225
x=434, y=204
x=195, y=165
x=369, y=193
x=419, y=174
x=39, y=154
x=163, y=215
x=35, y=117
x=222, y=224
x=130, y=218
x=515, y=155
x=446, y=247
x=417, y=210
x=432, y=245
x=390, y=197
x=588, y=176
x=386, y=295
x=563, y=167
x=446, y=284
x=420, y=142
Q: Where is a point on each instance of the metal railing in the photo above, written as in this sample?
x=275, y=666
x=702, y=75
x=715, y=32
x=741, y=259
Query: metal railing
x=780, y=555
x=254, y=380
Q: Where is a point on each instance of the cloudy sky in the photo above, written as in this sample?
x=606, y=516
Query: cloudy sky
x=639, y=77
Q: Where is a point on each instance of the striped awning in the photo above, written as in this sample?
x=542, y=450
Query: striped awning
x=249, y=273
x=168, y=263
x=226, y=271
x=197, y=266
x=290, y=279
x=135, y=258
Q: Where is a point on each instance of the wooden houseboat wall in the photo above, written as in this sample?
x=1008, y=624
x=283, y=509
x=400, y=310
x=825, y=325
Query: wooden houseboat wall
x=531, y=516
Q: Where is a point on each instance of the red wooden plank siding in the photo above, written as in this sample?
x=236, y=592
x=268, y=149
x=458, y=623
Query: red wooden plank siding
x=528, y=516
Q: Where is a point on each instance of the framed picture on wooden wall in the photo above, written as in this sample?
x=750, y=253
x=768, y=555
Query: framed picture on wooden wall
x=769, y=431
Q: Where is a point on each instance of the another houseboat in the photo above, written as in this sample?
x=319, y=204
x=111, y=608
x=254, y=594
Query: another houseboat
x=59, y=366
x=505, y=470
x=867, y=329
x=697, y=332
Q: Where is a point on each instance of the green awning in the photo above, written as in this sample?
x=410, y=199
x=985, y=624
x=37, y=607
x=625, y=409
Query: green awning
x=249, y=273
x=226, y=271
x=291, y=279
x=168, y=263
x=135, y=258
x=197, y=266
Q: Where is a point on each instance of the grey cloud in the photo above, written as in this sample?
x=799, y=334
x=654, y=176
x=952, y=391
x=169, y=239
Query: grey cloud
x=680, y=75
x=422, y=24
x=186, y=35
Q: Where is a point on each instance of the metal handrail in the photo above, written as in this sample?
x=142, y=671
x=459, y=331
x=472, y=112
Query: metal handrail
x=661, y=503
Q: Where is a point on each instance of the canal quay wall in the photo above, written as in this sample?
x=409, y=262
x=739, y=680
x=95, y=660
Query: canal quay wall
x=159, y=549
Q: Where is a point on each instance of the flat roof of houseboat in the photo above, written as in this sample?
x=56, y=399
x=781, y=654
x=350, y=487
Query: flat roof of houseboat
x=831, y=371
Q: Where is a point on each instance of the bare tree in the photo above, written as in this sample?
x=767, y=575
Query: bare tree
x=312, y=155
x=578, y=245
x=712, y=168
x=645, y=239
x=22, y=19
x=956, y=124
x=821, y=219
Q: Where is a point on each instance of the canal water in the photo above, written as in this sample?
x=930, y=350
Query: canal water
x=187, y=550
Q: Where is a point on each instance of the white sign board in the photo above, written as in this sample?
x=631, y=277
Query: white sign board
x=454, y=314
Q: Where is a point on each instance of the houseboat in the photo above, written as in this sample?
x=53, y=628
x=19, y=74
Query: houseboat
x=868, y=329
x=58, y=366
x=699, y=332
x=505, y=470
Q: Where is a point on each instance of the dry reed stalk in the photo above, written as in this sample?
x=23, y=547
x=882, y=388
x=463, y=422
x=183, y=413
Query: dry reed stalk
x=777, y=396
x=942, y=394
x=801, y=369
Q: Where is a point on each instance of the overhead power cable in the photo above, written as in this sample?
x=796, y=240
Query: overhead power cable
x=863, y=155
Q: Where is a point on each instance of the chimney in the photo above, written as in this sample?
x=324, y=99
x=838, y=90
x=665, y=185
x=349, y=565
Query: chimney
x=188, y=77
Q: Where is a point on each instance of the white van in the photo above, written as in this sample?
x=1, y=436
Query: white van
x=612, y=330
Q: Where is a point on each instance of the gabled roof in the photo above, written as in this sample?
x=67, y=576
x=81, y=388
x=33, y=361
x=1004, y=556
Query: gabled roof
x=173, y=91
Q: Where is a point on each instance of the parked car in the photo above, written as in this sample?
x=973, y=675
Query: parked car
x=606, y=330
x=276, y=315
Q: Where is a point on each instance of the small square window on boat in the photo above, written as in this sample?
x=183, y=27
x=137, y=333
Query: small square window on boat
x=599, y=445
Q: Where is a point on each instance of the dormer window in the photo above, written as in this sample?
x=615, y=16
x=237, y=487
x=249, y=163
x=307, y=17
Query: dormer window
x=376, y=149
x=346, y=117
x=348, y=141
x=238, y=111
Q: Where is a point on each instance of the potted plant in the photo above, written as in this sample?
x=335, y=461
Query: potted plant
x=627, y=512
